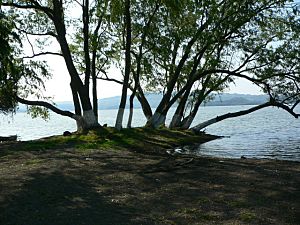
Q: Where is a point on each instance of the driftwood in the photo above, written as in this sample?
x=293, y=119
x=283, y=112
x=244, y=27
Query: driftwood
x=8, y=138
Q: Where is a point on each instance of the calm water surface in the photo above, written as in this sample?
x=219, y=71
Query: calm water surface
x=268, y=133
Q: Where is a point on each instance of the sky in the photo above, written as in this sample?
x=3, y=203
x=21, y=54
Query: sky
x=58, y=86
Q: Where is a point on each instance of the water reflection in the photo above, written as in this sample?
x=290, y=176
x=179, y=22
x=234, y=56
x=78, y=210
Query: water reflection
x=234, y=147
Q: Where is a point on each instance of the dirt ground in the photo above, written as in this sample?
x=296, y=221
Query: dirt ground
x=72, y=186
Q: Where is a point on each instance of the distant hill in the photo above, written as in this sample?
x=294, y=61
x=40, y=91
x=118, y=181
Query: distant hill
x=224, y=99
x=220, y=100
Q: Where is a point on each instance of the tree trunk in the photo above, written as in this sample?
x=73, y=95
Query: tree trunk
x=121, y=110
x=157, y=120
x=95, y=98
x=95, y=45
x=178, y=115
x=88, y=113
x=78, y=89
x=76, y=101
x=207, y=123
x=159, y=116
x=145, y=104
x=186, y=123
x=129, y=123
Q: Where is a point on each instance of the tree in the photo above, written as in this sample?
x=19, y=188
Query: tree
x=269, y=58
x=48, y=19
x=188, y=50
x=198, y=49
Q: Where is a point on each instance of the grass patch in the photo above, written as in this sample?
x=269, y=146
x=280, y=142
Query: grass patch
x=136, y=139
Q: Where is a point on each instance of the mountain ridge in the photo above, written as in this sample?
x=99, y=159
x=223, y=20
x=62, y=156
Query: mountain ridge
x=225, y=99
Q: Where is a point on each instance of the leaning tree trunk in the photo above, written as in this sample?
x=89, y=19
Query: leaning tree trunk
x=207, y=123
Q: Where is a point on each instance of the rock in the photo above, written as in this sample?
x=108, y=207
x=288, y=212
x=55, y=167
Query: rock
x=67, y=133
x=243, y=157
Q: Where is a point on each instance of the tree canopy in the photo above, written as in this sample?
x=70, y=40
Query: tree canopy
x=187, y=50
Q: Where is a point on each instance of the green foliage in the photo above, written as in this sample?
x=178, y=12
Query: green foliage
x=36, y=111
x=18, y=77
x=9, y=72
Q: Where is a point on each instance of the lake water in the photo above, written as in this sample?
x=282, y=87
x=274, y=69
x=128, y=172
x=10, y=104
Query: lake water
x=268, y=133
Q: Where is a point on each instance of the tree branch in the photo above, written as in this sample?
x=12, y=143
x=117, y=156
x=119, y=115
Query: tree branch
x=42, y=53
x=110, y=79
x=46, y=105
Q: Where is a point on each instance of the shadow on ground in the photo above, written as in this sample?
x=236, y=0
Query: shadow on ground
x=59, y=199
x=113, y=187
